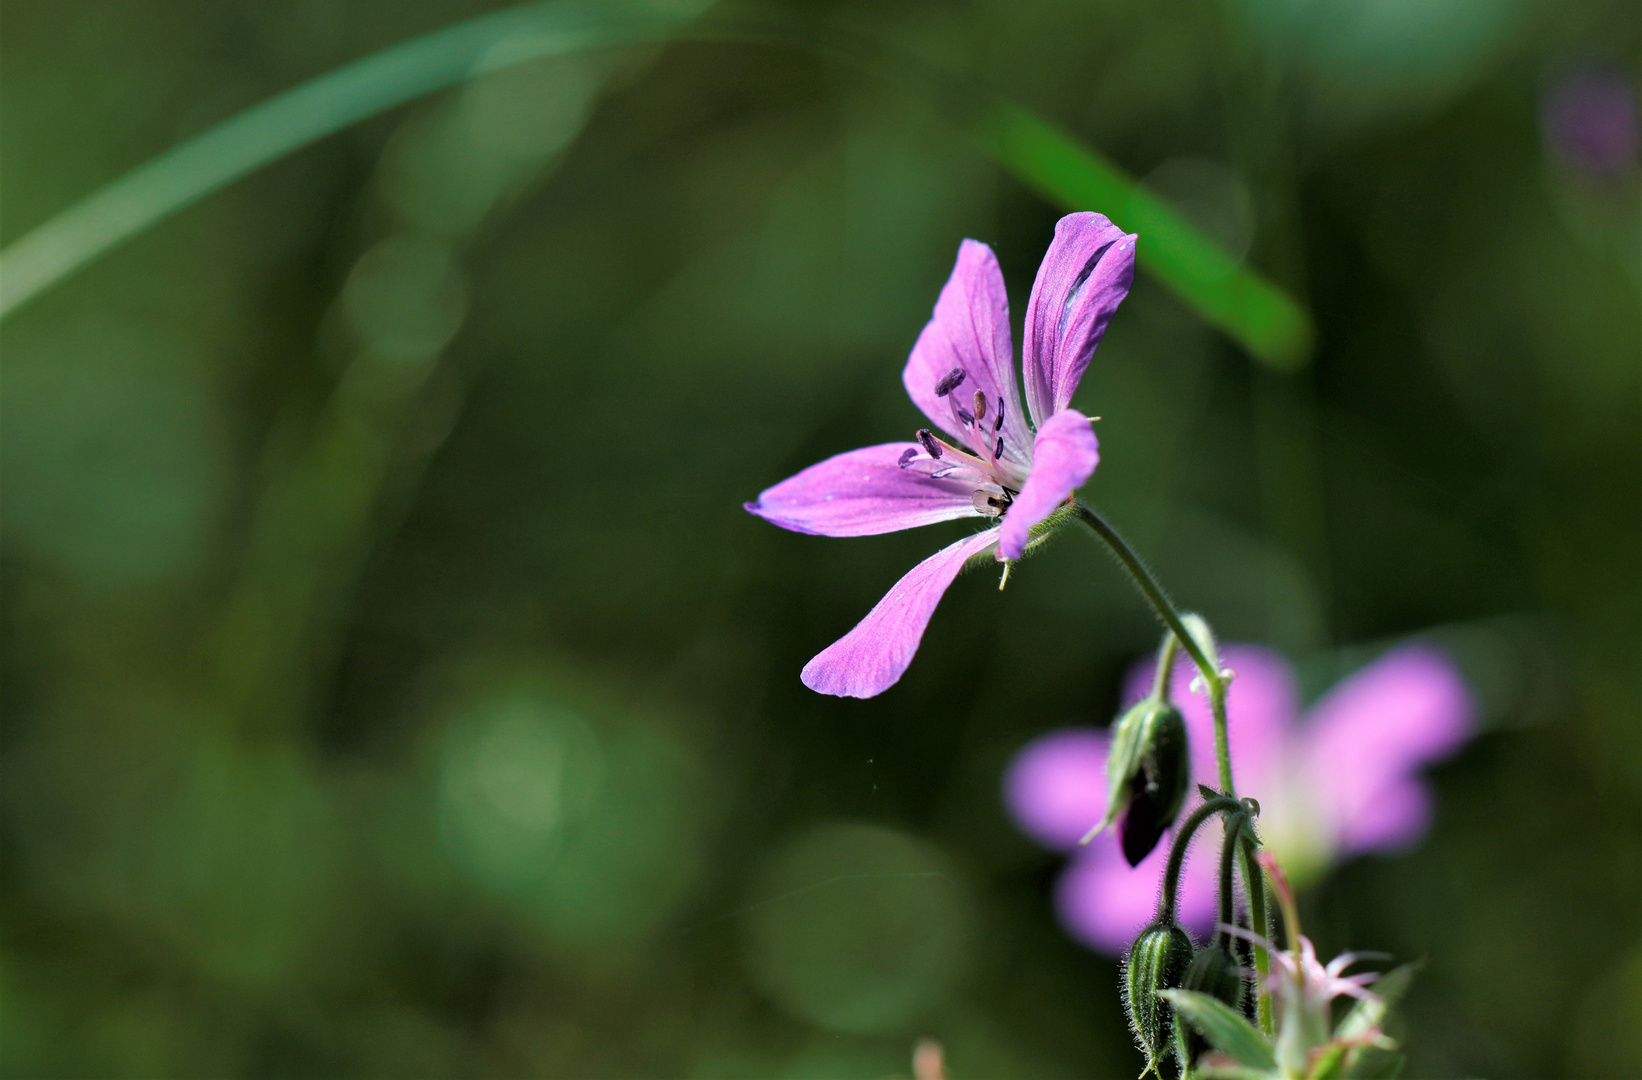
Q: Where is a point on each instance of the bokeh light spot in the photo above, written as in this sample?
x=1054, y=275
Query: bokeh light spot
x=857, y=928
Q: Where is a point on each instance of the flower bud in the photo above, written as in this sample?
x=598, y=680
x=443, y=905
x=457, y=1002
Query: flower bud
x=1216, y=972
x=1148, y=773
x=1157, y=961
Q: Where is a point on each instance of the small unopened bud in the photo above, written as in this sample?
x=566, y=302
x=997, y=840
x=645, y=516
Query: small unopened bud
x=1216, y=972
x=1148, y=773
x=1157, y=961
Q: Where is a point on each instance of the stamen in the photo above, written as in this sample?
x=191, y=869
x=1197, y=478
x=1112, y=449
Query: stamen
x=927, y=438
x=963, y=414
x=950, y=381
x=980, y=405
x=998, y=423
x=997, y=451
x=906, y=457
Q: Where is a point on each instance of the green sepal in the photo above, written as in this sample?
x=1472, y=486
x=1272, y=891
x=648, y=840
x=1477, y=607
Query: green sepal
x=1157, y=962
x=1148, y=773
x=1225, y=1027
x=1122, y=763
x=1035, y=538
x=1198, y=627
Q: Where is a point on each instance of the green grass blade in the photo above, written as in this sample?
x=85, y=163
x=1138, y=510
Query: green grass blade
x=1259, y=315
x=284, y=123
x=1265, y=320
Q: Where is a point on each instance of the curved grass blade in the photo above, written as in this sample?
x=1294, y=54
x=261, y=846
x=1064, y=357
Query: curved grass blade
x=1271, y=325
x=323, y=106
x=1262, y=317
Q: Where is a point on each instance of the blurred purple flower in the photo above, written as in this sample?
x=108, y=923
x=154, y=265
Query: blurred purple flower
x=992, y=464
x=1589, y=118
x=1341, y=781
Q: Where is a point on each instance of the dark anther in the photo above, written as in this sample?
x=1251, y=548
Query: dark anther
x=950, y=381
x=906, y=456
x=963, y=414
x=997, y=451
x=931, y=447
x=998, y=423
x=1001, y=504
x=980, y=405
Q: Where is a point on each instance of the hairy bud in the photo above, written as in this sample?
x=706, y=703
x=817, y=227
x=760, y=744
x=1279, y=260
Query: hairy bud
x=1147, y=775
x=1158, y=960
x=1216, y=972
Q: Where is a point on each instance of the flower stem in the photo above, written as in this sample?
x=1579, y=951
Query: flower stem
x=1177, y=852
x=1149, y=587
x=1152, y=590
x=1255, y=882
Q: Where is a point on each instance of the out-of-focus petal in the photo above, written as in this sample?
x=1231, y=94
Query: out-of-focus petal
x=1063, y=458
x=862, y=493
x=1084, y=277
x=872, y=657
x=970, y=330
x=1369, y=735
x=1055, y=788
x=1261, y=706
x=1104, y=903
x=1398, y=819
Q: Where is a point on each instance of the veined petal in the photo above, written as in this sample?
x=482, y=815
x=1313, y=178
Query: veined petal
x=1370, y=735
x=970, y=330
x=872, y=657
x=1063, y=457
x=1084, y=277
x=862, y=493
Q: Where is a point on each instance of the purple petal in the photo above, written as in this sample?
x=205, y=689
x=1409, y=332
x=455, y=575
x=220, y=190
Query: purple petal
x=1085, y=275
x=1367, y=738
x=970, y=331
x=872, y=657
x=1055, y=788
x=1104, y=903
x=1063, y=457
x=1261, y=706
x=862, y=493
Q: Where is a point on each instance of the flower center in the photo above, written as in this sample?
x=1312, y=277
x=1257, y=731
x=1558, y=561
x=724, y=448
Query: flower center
x=982, y=461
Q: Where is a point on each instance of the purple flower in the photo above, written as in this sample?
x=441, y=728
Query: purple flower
x=1589, y=119
x=1341, y=781
x=991, y=464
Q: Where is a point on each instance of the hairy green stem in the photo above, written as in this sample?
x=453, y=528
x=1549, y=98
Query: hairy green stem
x=1177, y=852
x=1152, y=590
x=1255, y=882
x=1228, y=865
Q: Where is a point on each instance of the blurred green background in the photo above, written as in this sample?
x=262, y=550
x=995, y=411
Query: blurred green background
x=394, y=686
